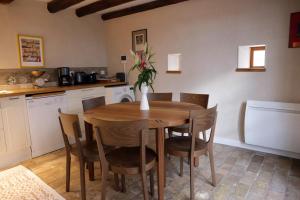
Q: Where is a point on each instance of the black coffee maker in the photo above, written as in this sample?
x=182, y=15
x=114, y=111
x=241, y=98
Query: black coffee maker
x=64, y=77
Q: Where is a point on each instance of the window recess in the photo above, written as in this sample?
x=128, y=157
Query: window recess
x=252, y=58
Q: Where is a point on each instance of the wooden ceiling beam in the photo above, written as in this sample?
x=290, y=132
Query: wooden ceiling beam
x=139, y=8
x=99, y=6
x=58, y=5
x=6, y=1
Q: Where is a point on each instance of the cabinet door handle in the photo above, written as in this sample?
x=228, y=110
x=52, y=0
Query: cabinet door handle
x=86, y=90
x=14, y=98
x=85, y=98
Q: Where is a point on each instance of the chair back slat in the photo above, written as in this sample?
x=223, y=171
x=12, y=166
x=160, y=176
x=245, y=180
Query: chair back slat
x=120, y=133
x=89, y=104
x=199, y=99
x=160, y=96
x=203, y=120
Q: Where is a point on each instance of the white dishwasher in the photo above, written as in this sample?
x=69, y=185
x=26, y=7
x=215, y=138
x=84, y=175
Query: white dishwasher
x=44, y=125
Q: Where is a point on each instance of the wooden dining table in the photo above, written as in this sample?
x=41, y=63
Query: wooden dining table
x=162, y=114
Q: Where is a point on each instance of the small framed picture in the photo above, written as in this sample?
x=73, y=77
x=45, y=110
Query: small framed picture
x=139, y=38
x=294, y=41
x=31, y=51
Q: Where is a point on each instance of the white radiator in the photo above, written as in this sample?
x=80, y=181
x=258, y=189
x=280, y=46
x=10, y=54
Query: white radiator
x=273, y=125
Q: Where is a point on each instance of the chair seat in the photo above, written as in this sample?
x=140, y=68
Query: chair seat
x=181, y=146
x=126, y=160
x=90, y=151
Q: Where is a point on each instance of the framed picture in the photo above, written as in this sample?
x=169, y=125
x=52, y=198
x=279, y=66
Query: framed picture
x=295, y=31
x=31, y=51
x=139, y=38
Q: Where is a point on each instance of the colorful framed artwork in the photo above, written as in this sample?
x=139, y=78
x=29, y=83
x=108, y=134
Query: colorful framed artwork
x=31, y=51
x=139, y=38
x=294, y=41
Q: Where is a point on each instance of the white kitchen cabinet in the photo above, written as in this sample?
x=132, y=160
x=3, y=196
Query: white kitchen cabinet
x=44, y=124
x=75, y=98
x=14, y=131
x=15, y=123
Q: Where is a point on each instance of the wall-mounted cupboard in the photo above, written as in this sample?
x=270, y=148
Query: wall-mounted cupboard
x=174, y=63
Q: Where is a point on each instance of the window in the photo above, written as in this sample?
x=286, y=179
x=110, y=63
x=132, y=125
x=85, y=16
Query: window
x=257, y=56
x=252, y=58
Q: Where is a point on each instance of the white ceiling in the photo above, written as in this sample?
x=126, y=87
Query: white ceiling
x=86, y=2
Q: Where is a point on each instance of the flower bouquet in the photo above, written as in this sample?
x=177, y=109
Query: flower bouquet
x=145, y=65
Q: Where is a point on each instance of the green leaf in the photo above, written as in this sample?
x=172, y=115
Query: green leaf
x=152, y=88
x=132, y=53
x=148, y=74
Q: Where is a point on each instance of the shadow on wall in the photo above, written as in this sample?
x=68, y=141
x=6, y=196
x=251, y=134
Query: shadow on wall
x=241, y=122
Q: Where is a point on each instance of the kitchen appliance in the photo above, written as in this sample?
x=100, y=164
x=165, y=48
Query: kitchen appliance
x=64, y=77
x=92, y=77
x=121, y=76
x=82, y=77
x=79, y=77
x=119, y=94
x=43, y=120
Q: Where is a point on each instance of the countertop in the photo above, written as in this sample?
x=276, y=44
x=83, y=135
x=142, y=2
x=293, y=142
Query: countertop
x=31, y=91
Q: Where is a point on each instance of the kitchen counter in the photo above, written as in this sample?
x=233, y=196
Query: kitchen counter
x=31, y=91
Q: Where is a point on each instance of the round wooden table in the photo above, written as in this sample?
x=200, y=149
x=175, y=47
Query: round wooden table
x=161, y=115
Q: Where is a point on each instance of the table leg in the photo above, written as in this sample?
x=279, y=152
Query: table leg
x=89, y=139
x=196, y=159
x=160, y=145
x=196, y=162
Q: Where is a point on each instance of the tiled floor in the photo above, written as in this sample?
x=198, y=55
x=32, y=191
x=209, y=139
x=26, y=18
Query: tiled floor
x=241, y=174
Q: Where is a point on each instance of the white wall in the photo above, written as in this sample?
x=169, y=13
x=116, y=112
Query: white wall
x=207, y=33
x=69, y=40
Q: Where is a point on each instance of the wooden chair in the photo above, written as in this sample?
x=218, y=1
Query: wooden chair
x=132, y=156
x=89, y=104
x=160, y=96
x=199, y=99
x=192, y=147
x=85, y=153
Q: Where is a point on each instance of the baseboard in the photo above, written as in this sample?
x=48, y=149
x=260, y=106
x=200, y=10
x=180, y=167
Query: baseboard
x=239, y=144
x=9, y=159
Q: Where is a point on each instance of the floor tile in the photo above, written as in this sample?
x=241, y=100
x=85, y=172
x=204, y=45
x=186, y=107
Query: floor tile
x=241, y=174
